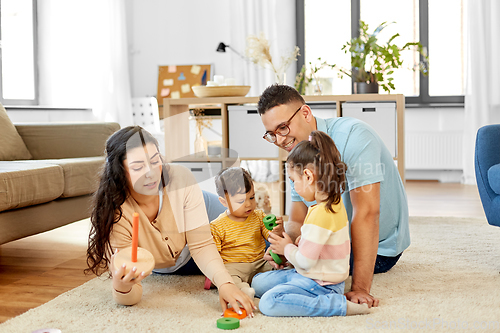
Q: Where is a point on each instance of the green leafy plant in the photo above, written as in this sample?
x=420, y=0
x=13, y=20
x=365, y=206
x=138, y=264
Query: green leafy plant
x=372, y=61
x=308, y=74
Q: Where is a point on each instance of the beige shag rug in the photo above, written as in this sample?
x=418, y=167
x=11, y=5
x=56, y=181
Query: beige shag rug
x=447, y=280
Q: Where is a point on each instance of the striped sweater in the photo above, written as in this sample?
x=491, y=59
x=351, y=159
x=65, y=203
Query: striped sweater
x=240, y=241
x=324, y=247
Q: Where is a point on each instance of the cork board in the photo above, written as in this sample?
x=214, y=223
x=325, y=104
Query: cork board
x=176, y=81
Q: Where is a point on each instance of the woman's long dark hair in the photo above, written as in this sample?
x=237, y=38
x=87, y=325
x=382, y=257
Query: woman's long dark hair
x=321, y=153
x=112, y=192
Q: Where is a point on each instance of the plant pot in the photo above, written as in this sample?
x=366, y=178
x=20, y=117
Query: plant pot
x=365, y=88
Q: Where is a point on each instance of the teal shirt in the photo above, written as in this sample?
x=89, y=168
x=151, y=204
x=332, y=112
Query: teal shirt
x=369, y=161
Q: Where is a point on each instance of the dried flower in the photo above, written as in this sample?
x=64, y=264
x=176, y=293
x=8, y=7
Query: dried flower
x=258, y=51
x=202, y=121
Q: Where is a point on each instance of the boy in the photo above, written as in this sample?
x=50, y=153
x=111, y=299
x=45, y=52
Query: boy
x=239, y=232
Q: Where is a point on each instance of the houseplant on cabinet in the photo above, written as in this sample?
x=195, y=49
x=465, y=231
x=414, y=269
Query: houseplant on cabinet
x=373, y=63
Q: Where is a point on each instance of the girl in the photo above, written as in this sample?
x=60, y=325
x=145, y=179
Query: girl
x=315, y=287
x=171, y=213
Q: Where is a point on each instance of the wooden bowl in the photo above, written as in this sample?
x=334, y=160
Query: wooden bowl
x=220, y=91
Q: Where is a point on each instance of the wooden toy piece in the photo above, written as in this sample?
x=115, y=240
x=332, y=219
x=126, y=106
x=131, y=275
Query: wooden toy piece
x=270, y=222
x=228, y=323
x=230, y=313
x=135, y=256
x=135, y=236
x=145, y=260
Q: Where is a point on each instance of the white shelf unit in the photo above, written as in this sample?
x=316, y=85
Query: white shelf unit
x=387, y=122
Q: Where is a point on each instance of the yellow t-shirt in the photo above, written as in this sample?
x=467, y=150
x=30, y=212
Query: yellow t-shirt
x=240, y=241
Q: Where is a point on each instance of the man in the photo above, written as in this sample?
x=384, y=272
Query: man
x=375, y=198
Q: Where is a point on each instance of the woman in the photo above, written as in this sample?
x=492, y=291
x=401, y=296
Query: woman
x=171, y=214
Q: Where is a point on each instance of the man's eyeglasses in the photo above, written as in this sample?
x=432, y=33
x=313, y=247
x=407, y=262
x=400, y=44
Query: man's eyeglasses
x=282, y=129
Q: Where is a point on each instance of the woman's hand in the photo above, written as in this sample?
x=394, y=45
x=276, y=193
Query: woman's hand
x=278, y=243
x=229, y=293
x=124, y=283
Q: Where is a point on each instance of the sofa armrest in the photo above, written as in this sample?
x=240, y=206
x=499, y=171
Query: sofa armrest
x=66, y=140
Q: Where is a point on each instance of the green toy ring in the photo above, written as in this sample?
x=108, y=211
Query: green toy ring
x=276, y=258
x=228, y=323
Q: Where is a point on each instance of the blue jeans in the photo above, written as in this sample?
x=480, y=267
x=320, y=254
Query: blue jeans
x=286, y=293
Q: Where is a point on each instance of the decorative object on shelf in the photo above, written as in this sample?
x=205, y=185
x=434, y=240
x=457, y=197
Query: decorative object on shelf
x=259, y=52
x=373, y=63
x=307, y=75
x=202, y=122
x=220, y=91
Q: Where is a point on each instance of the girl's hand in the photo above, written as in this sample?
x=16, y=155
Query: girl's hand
x=229, y=293
x=278, y=243
x=271, y=261
x=124, y=283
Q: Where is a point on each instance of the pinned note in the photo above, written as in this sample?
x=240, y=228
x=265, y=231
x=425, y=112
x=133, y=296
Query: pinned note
x=172, y=69
x=175, y=94
x=168, y=82
x=181, y=77
x=185, y=88
x=165, y=92
x=195, y=69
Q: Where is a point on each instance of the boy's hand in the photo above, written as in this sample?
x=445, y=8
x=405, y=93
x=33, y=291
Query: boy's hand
x=271, y=261
x=278, y=243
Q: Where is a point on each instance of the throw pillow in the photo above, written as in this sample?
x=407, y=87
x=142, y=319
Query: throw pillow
x=494, y=178
x=12, y=146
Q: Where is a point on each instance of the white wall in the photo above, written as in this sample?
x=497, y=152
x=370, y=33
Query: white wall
x=168, y=32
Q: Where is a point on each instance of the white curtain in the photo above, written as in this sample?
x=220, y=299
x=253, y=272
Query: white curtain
x=83, y=57
x=276, y=19
x=482, y=98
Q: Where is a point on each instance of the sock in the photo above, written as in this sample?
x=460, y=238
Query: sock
x=356, y=309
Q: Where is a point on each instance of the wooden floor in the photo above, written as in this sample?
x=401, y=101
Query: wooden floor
x=36, y=269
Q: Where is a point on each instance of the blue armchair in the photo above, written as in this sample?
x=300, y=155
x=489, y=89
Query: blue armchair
x=487, y=165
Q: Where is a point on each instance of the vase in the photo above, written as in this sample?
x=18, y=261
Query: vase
x=366, y=88
x=200, y=145
x=280, y=78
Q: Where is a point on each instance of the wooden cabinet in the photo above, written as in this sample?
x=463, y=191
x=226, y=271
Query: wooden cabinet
x=175, y=113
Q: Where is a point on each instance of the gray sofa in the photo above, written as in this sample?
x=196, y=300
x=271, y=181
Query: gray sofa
x=52, y=184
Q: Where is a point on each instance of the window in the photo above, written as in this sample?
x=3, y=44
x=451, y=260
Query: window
x=323, y=26
x=18, y=45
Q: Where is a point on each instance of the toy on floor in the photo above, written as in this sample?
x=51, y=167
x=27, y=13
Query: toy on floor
x=228, y=323
x=135, y=256
x=270, y=222
x=230, y=313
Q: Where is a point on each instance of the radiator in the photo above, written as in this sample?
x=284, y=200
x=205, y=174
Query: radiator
x=433, y=150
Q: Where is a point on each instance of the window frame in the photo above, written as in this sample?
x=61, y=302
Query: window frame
x=424, y=98
x=34, y=101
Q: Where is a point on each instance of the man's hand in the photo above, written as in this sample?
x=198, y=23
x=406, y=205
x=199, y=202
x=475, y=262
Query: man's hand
x=360, y=297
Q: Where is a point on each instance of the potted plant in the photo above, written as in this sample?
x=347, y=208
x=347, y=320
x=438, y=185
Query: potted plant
x=373, y=63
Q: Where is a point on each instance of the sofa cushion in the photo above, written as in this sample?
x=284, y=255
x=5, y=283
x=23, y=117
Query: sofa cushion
x=12, y=146
x=24, y=183
x=494, y=178
x=80, y=174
